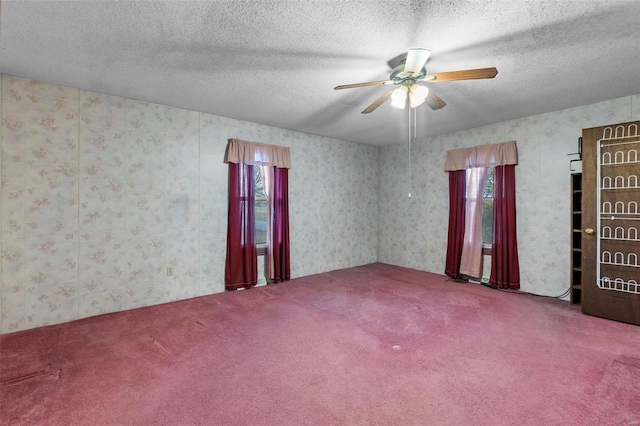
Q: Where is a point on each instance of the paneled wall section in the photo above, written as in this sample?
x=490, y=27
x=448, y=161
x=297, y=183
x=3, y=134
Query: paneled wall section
x=100, y=194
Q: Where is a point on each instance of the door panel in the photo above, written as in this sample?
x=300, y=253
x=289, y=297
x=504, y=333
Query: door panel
x=611, y=222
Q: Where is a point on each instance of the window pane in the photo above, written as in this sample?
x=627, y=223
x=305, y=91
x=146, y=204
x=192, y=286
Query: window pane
x=258, y=184
x=487, y=209
x=261, y=222
x=487, y=221
x=260, y=207
x=488, y=188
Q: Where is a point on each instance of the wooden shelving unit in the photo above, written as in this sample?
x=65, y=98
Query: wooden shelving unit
x=576, y=239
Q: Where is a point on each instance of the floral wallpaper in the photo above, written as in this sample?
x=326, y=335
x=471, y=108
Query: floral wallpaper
x=413, y=231
x=100, y=194
x=101, y=224
x=39, y=204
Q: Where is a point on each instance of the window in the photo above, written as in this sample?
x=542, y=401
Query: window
x=261, y=206
x=496, y=187
x=487, y=210
x=262, y=219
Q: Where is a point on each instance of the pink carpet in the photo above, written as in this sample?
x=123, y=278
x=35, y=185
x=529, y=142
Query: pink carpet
x=372, y=345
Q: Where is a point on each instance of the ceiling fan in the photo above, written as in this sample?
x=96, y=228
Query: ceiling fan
x=409, y=73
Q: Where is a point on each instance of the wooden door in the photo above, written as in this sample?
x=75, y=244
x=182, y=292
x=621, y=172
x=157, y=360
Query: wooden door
x=611, y=222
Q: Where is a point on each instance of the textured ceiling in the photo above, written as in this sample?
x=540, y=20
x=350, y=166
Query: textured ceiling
x=276, y=62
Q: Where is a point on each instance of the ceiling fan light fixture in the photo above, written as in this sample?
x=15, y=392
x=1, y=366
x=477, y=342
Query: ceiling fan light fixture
x=399, y=97
x=419, y=91
x=418, y=95
x=415, y=102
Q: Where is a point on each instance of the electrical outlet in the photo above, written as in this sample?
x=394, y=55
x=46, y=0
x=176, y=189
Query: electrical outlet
x=169, y=271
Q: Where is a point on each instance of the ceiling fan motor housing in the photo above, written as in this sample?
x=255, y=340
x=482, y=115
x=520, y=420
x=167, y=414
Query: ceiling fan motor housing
x=402, y=78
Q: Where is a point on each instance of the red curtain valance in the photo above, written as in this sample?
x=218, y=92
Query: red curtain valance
x=499, y=154
x=252, y=153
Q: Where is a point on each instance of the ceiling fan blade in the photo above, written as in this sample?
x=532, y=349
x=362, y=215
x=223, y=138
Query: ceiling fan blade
x=370, y=83
x=434, y=101
x=382, y=99
x=416, y=58
x=473, y=74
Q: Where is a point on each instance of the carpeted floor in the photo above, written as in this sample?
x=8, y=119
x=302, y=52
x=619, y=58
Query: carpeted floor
x=372, y=345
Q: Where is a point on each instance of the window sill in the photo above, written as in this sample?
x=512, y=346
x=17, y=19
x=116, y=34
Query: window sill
x=261, y=249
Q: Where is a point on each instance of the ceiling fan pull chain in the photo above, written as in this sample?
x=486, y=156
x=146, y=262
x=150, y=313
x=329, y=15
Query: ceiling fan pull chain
x=409, y=155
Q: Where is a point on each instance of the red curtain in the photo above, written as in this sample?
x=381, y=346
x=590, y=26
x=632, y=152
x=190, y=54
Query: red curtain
x=457, y=189
x=505, y=269
x=241, y=269
x=279, y=248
